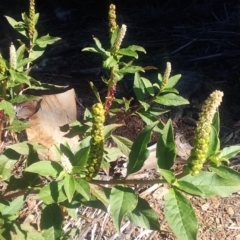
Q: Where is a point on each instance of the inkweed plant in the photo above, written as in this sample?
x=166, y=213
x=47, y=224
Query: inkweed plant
x=61, y=187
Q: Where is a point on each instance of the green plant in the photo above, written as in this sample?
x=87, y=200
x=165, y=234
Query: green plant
x=71, y=181
x=14, y=74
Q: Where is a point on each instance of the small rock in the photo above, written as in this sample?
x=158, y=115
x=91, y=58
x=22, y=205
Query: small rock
x=230, y=211
x=205, y=206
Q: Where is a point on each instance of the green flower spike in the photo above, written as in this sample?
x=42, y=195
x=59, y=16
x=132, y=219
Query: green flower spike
x=202, y=133
x=31, y=19
x=166, y=75
x=119, y=39
x=13, y=56
x=112, y=18
x=97, y=142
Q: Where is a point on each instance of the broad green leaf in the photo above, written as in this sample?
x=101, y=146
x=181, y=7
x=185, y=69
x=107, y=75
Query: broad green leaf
x=6, y=166
x=23, y=147
x=229, y=152
x=109, y=128
x=214, y=143
x=52, y=192
x=166, y=147
x=18, y=126
x=66, y=151
x=180, y=215
x=137, y=48
x=148, y=86
x=19, y=26
x=172, y=81
x=226, y=172
x=114, y=36
x=45, y=40
x=110, y=62
x=122, y=200
x=81, y=157
x=51, y=217
x=95, y=91
x=128, y=52
x=219, y=186
x=51, y=222
x=188, y=188
x=83, y=188
x=216, y=122
x=19, y=77
x=131, y=69
x=139, y=151
x=45, y=168
x=144, y=216
x=14, y=206
x=24, y=98
x=171, y=99
x=123, y=144
x=170, y=90
x=23, y=62
x=69, y=186
x=31, y=232
x=95, y=203
x=100, y=49
x=8, y=109
x=112, y=154
x=168, y=175
x=53, y=233
x=156, y=111
x=100, y=195
x=37, y=52
x=20, y=52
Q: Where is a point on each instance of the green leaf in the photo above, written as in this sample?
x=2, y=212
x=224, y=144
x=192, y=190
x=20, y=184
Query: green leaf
x=37, y=52
x=171, y=99
x=226, y=172
x=172, y=81
x=100, y=49
x=7, y=163
x=144, y=216
x=95, y=203
x=229, y=152
x=18, y=126
x=219, y=186
x=81, y=157
x=20, y=52
x=128, y=52
x=114, y=36
x=24, y=98
x=19, y=26
x=23, y=62
x=14, y=207
x=180, y=215
x=19, y=77
x=110, y=62
x=148, y=86
x=112, y=154
x=123, y=144
x=95, y=91
x=100, y=195
x=188, y=188
x=90, y=49
x=166, y=147
x=53, y=233
x=69, y=186
x=51, y=217
x=45, y=168
x=23, y=147
x=8, y=109
x=52, y=192
x=65, y=149
x=45, y=40
x=137, y=48
x=83, y=188
x=168, y=175
x=140, y=90
x=109, y=128
x=130, y=69
x=214, y=143
x=216, y=122
x=139, y=151
x=123, y=200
